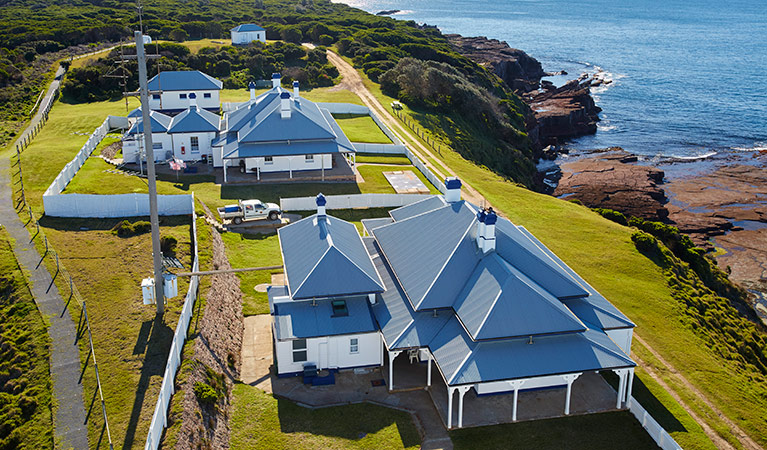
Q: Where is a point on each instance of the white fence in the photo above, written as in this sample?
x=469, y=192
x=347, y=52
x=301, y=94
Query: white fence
x=352, y=201
x=117, y=205
x=391, y=149
x=653, y=428
x=160, y=416
x=344, y=108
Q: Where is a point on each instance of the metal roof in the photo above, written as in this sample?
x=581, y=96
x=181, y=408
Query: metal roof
x=159, y=123
x=194, y=119
x=245, y=27
x=135, y=113
x=325, y=257
x=184, y=80
x=432, y=254
x=371, y=224
x=300, y=320
x=499, y=301
x=306, y=122
x=419, y=207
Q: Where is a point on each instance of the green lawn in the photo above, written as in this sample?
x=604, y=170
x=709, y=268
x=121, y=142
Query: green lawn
x=324, y=95
x=25, y=402
x=382, y=158
x=614, y=430
x=260, y=421
x=377, y=183
x=131, y=343
x=362, y=129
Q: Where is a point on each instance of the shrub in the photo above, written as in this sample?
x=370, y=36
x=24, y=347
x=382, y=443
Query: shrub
x=168, y=245
x=615, y=216
x=128, y=229
x=205, y=393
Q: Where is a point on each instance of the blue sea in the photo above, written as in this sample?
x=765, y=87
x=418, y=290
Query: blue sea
x=689, y=77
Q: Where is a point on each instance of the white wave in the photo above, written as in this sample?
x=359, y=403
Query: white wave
x=757, y=147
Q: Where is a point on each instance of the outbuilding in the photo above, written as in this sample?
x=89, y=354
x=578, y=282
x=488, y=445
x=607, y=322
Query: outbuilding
x=171, y=90
x=247, y=33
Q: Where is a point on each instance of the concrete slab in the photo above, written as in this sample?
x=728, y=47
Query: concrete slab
x=257, y=355
x=406, y=182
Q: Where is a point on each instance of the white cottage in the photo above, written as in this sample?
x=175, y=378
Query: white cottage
x=170, y=91
x=247, y=33
x=133, y=140
x=192, y=132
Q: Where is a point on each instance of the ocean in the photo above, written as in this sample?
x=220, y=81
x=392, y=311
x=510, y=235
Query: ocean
x=689, y=77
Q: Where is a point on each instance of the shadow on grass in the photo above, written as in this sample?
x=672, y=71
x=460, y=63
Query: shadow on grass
x=157, y=349
x=273, y=192
x=351, y=422
x=657, y=410
x=89, y=224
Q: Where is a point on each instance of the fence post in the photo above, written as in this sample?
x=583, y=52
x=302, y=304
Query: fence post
x=45, y=239
x=58, y=268
x=31, y=218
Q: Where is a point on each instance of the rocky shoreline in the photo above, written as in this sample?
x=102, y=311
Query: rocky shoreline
x=722, y=208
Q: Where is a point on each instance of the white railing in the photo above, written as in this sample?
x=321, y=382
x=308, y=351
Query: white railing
x=352, y=201
x=160, y=416
x=117, y=205
x=653, y=428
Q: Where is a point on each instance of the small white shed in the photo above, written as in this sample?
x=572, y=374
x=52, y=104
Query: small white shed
x=247, y=33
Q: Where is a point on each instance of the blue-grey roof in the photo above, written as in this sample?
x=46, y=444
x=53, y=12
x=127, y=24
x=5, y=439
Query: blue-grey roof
x=371, y=224
x=183, y=80
x=194, y=119
x=257, y=128
x=135, y=113
x=325, y=257
x=413, y=209
x=245, y=27
x=499, y=301
x=432, y=254
x=529, y=257
x=301, y=320
x=159, y=123
x=463, y=361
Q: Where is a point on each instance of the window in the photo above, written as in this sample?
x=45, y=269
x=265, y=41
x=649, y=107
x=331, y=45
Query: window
x=299, y=350
x=156, y=145
x=182, y=96
x=339, y=308
x=268, y=160
x=206, y=95
x=195, y=144
x=155, y=96
x=354, y=345
x=309, y=158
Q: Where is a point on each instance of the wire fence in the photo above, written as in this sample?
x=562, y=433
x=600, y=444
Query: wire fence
x=420, y=132
x=62, y=277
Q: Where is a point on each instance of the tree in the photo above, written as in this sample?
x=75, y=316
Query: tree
x=178, y=35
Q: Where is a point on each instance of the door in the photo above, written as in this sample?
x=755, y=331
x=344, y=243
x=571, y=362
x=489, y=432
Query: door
x=323, y=357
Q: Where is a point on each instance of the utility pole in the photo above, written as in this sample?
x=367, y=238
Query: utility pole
x=153, y=216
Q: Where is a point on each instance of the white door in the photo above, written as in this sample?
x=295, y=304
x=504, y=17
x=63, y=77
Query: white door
x=323, y=348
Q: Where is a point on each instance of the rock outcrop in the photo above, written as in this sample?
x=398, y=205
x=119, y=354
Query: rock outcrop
x=610, y=181
x=564, y=112
x=520, y=71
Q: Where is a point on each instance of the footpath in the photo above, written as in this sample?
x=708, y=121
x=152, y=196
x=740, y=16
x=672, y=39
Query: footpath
x=69, y=418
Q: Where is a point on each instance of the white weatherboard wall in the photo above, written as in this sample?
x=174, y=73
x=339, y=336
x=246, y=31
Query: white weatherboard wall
x=171, y=100
x=57, y=204
x=352, y=201
x=530, y=383
x=286, y=163
x=182, y=145
x=246, y=37
x=332, y=352
x=160, y=416
x=162, y=144
x=622, y=337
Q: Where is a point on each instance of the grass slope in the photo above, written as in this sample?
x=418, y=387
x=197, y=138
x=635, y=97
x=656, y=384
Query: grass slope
x=260, y=421
x=26, y=420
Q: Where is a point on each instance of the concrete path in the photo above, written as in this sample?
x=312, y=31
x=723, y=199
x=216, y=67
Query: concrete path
x=70, y=430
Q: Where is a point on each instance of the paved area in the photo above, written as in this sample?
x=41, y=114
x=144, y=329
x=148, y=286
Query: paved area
x=257, y=352
x=405, y=182
x=69, y=417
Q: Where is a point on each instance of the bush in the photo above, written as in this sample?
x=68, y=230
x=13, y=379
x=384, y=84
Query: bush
x=168, y=245
x=205, y=393
x=126, y=229
x=615, y=216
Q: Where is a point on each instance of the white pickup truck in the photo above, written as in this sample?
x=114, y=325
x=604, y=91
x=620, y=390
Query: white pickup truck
x=249, y=210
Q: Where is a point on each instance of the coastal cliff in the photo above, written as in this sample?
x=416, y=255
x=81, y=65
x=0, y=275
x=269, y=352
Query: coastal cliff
x=559, y=112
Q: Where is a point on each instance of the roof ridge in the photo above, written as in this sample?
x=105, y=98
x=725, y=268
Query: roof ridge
x=469, y=354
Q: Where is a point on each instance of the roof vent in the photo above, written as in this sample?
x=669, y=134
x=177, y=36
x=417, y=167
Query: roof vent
x=321, y=202
x=252, y=88
x=453, y=185
x=276, y=80
x=285, y=105
x=295, y=91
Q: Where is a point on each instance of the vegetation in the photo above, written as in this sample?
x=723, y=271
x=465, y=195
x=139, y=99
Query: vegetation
x=260, y=421
x=382, y=158
x=128, y=229
x=25, y=382
x=235, y=66
x=362, y=129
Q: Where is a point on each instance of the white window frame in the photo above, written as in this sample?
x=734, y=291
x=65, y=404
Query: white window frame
x=309, y=158
x=182, y=96
x=297, y=349
x=156, y=145
x=354, y=345
x=194, y=144
x=268, y=160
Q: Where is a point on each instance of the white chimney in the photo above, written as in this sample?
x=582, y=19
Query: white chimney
x=481, y=216
x=192, y=100
x=321, y=202
x=252, y=88
x=275, y=80
x=453, y=185
x=488, y=238
x=295, y=91
x=285, y=105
